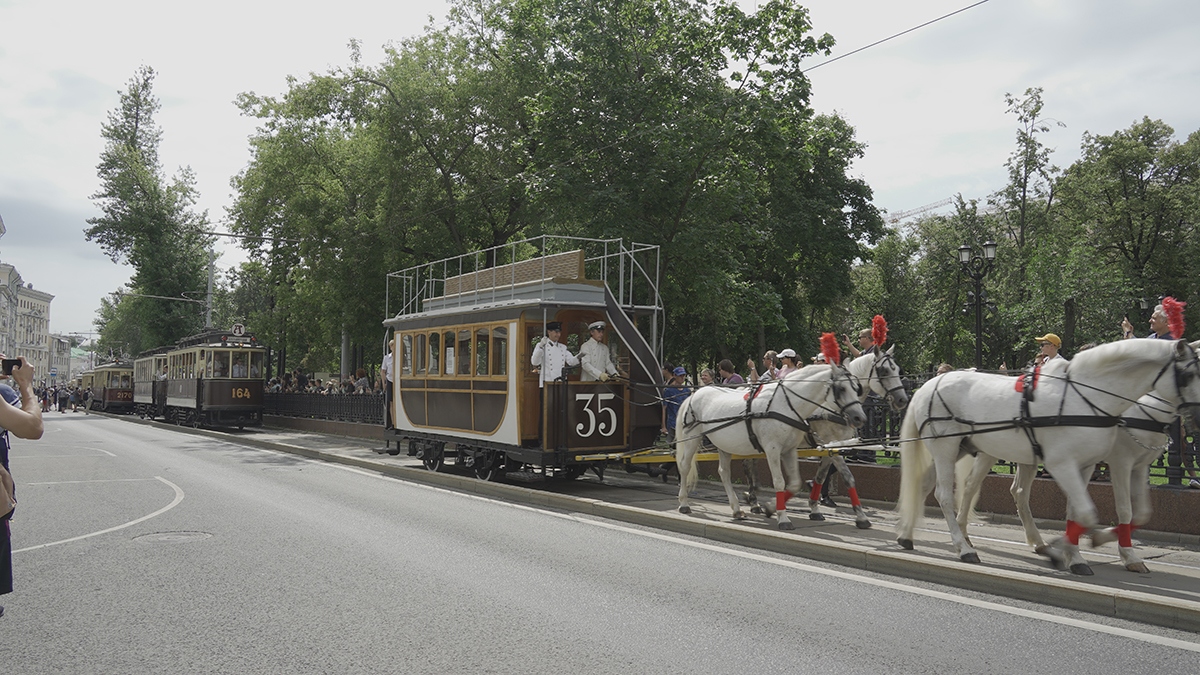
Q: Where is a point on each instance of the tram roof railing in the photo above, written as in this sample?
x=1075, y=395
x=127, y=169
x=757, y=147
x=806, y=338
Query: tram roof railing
x=530, y=270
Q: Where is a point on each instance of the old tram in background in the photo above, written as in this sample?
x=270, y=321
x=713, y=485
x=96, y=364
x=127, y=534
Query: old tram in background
x=150, y=383
x=111, y=385
x=216, y=379
x=465, y=391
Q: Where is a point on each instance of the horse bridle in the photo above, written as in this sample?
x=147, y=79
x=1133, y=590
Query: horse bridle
x=874, y=374
x=1183, y=377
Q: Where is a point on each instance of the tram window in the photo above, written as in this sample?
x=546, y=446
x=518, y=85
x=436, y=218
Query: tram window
x=256, y=365
x=420, y=352
x=220, y=364
x=240, y=368
x=481, y=351
x=464, y=352
x=406, y=349
x=435, y=353
x=500, y=351
x=448, y=345
x=125, y=381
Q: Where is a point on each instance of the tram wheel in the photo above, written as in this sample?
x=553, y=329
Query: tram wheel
x=575, y=471
x=489, y=467
x=433, y=460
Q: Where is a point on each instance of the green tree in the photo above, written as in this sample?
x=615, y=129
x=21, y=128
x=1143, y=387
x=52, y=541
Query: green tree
x=148, y=223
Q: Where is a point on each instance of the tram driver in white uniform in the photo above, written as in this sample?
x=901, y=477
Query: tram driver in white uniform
x=596, y=357
x=550, y=356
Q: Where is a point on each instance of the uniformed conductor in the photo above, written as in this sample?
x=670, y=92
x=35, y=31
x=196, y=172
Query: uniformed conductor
x=595, y=356
x=550, y=356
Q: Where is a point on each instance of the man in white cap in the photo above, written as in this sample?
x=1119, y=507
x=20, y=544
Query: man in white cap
x=788, y=357
x=551, y=356
x=595, y=356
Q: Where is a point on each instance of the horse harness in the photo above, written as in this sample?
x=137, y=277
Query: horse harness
x=749, y=416
x=1028, y=423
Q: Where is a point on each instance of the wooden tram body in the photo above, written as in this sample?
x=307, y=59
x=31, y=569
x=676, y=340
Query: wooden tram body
x=111, y=385
x=465, y=390
x=149, y=383
x=212, y=379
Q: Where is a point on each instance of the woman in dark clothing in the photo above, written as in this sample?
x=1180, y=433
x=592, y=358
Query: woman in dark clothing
x=25, y=422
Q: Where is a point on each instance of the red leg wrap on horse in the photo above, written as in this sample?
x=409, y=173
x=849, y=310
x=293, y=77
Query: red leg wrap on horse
x=1125, y=535
x=781, y=499
x=853, y=492
x=1074, y=530
x=815, y=494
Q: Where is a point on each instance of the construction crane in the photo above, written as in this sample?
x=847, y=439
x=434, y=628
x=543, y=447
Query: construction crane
x=896, y=217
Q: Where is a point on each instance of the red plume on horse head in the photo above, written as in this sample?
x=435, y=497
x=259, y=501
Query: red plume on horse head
x=1174, y=311
x=879, y=330
x=829, y=347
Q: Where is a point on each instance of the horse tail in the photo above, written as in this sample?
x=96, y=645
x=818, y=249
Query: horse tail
x=686, y=447
x=915, y=462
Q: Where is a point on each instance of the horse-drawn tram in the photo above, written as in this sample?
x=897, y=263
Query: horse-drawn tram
x=112, y=387
x=213, y=379
x=478, y=382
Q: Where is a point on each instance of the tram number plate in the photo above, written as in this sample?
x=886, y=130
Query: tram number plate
x=602, y=420
x=240, y=392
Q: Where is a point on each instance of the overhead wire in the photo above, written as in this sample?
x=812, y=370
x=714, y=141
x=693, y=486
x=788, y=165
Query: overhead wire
x=892, y=37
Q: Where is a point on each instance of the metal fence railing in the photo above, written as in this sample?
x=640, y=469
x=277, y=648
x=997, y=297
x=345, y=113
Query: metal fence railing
x=360, y=408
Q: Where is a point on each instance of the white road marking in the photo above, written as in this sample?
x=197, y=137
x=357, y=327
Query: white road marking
x=168, y=507
x=810, y=569
x=73, y=482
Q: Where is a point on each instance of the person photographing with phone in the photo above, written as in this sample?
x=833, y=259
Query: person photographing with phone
x=21, y=414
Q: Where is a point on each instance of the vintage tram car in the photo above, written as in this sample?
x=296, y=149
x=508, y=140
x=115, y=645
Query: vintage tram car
x=111, y=386
x=150, y=383
x=464, y=387
x=213, y=379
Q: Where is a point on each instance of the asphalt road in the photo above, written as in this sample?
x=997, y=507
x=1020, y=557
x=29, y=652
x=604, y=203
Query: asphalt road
x=141, y=550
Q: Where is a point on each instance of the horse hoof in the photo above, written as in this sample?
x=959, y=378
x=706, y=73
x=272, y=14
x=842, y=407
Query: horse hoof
x=862, y=524
x=1139, y=567
x=906, y=544
x=685, y=509
x=972, y=558
x=756, y=509
x=1082, y=569
x=1042, y=550
x=816, y=516
x=785, y=525
x=739, y=515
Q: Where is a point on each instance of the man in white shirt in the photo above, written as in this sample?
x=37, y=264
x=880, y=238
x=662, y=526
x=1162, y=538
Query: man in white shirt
x=385, y=369
x=595, y=356
x=550, y=356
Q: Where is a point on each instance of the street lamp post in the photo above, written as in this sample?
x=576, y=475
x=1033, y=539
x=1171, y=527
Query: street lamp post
x=977, y=267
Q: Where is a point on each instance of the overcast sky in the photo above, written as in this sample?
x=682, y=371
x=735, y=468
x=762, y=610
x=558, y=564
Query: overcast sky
x=930, y=104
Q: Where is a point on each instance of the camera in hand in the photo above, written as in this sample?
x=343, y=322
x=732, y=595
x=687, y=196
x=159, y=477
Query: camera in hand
x=9, y=364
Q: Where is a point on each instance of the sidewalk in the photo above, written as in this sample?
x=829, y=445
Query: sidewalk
x=1168, y=596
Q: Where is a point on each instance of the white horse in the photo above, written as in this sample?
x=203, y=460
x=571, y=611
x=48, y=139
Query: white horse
x=1073, y=417
x=881, y=375
x=1142, y=440
x=774, y=414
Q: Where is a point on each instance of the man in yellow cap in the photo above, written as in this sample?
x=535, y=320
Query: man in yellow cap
x=1050, y=344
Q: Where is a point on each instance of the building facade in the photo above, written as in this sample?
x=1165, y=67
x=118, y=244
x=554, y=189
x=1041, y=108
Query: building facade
x=10, y=281
x=33, y=329
x=59, y=349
